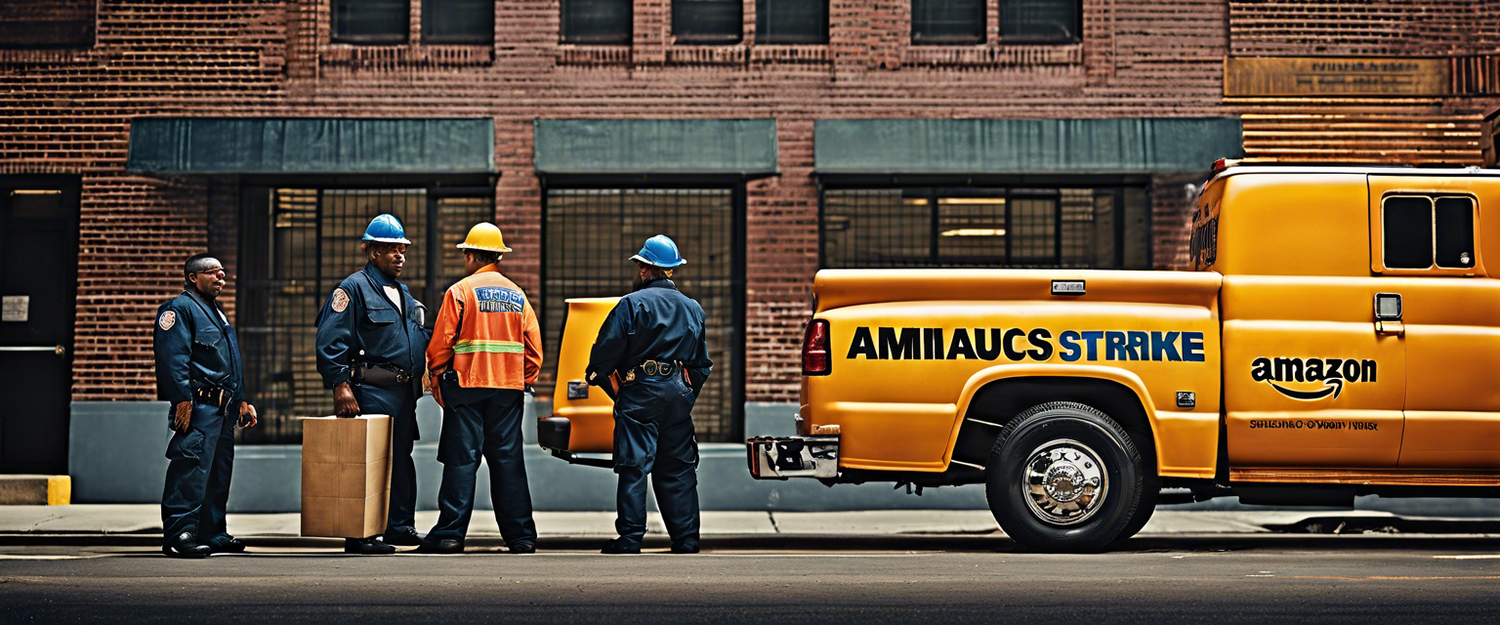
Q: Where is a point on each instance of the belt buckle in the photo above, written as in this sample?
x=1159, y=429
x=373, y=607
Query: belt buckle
x=649, y=367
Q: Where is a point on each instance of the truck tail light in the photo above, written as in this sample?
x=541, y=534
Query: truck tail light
x=816, y=358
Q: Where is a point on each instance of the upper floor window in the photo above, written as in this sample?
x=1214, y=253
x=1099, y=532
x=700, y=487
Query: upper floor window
x=47, y=23
x=458, y=21
x=947, y=21
x=1422, y=232
x=596, y=21
x=707, y=21
x=791, y=21
x=1040, y=21
x=371, y=21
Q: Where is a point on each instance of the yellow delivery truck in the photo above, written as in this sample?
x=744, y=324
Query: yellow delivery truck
x=1339, y=335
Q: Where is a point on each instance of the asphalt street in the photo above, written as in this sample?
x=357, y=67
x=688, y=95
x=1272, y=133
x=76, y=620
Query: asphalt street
x=901, y=579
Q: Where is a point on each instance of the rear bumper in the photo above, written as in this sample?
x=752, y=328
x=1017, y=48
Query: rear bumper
x=793, y=456
x=553, y=433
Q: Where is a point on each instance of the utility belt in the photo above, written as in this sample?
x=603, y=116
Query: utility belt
x=213, y=395
x=363, y=373
x=652, y=368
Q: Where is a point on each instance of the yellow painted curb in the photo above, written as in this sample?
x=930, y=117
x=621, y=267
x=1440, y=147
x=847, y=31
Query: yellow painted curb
x=59, y=490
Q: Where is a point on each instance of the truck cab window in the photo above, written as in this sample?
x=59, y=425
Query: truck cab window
x=1455, y=232
x=1407, y=228
x=1421, y=232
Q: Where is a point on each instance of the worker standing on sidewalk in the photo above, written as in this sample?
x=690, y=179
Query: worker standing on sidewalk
x=486, y=351
x=198, y=372
x=652, y=344
x=370, y=344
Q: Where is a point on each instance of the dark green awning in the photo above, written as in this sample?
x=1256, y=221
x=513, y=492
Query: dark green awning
x=259, y=145
x=986, y=146
x=656, y=146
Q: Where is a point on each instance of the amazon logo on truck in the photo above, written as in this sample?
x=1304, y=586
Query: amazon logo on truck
x=1334, y=373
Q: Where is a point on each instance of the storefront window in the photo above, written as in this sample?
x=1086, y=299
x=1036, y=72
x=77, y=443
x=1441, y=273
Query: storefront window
x=297, y=244
x=590, y=235
x=986, y=227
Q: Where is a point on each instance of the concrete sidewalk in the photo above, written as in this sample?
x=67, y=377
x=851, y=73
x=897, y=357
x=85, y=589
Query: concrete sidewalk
x=116, y=519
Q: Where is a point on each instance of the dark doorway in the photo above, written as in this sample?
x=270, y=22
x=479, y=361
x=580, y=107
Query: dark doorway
x=39, y=285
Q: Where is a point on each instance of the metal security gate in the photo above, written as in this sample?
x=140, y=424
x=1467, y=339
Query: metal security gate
x=297, y=244
x=591, y=234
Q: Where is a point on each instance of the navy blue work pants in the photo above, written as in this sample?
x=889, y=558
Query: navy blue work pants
x=400, y=402
x=482, y=422
x=200, y=464
x=663, y=446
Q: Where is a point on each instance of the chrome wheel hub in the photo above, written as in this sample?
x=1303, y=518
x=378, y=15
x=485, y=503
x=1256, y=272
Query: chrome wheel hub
x=1065, y=483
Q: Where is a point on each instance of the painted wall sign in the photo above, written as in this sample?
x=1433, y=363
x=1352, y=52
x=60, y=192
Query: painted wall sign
x=1325, y=76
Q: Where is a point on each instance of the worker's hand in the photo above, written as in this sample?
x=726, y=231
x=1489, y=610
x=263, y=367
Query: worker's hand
x=344, y=404
x=437, y=392
x=248, y=418
x=182, y=417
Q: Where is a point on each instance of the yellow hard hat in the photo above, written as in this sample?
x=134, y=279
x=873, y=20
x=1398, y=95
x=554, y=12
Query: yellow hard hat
x=484, y=236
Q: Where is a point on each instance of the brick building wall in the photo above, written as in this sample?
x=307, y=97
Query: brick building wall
x=1428, y=129
x=68, y=111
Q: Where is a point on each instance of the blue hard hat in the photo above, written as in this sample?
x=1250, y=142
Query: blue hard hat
x=385, y=229
x=660, y=251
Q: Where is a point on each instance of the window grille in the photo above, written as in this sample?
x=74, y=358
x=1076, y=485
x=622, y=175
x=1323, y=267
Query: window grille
x=370, y=21
x=458, y=21
x=986, y=227
x=40, y=24
x=791, y=21
x=707, y=21
x=298, y=245
x=591, y=234
x=951, y=22
x=597, y=21
x=1041, y=21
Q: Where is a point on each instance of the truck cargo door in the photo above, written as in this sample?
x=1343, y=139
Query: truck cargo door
x=1426, y=249
x=1310, y=378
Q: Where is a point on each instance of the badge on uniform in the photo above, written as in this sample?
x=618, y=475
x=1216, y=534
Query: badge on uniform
x=167, y=320
x=340, y=300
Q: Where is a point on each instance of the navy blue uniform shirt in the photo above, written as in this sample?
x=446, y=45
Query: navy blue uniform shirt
x=195, y=346
x=657, y=322
x=358, y=322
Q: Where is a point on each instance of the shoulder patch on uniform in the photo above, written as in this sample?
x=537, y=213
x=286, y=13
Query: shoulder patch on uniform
x=167, y=320
x=340, y=301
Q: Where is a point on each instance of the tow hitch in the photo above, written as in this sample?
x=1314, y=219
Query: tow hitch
x=793, y=456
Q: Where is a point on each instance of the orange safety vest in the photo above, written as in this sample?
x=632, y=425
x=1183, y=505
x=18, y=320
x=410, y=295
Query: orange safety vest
x=487, y=332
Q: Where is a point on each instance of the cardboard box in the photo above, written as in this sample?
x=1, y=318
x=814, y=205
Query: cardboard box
x=346, y=476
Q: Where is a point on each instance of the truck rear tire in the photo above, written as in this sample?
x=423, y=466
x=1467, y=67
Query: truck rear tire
x=1065, y=477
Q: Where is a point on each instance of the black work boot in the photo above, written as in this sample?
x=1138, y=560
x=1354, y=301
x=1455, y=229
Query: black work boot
x=446, y=545
x=620, y=546
x=367, y=547
x=185, y=545
x=403, y=537
x=224, y=543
